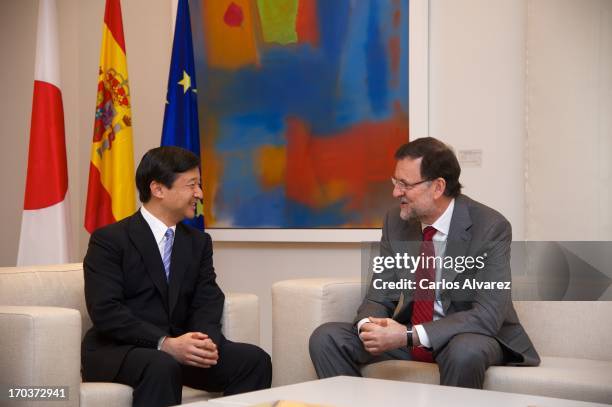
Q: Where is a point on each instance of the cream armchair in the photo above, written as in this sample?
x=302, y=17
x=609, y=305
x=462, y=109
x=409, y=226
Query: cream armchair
x=572, y=338
x=43, y=318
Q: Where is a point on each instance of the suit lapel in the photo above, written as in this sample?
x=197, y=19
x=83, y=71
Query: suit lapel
x=457, y=243
x=403, y=240
x=412, y=237
x=179, y=261
x=413, y=231
x=141, y=235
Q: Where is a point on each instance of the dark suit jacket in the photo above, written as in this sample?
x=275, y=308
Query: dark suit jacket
x=475, y=229
x=129, y=301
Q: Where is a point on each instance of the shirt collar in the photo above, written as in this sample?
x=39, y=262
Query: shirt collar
x=157, y=226
x=442, y=224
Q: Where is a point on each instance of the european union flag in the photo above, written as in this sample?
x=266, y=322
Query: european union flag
x=181, y=126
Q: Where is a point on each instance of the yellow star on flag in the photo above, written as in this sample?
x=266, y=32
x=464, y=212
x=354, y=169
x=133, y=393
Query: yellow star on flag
x=185, y=82
x=199, y=208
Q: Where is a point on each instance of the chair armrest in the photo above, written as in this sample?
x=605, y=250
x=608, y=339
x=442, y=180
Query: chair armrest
x=41, y=346
x=240, y=321
x=298, y=308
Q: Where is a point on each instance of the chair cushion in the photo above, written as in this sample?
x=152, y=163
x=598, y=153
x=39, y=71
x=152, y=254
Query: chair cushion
x=58, y=285
x=105, y=395
x=406, y=371
x=567, y=378
x=546, y=323
x=99, y=394
x=191, y=395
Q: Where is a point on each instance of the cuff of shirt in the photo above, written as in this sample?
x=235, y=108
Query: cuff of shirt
x=360, y=323
x=160, y=342
x=423, y=338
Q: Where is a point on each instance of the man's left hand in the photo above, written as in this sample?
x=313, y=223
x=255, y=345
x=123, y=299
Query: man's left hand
x=382, y=334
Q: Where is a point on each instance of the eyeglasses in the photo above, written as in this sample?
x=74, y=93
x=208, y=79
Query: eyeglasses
x=404, y=186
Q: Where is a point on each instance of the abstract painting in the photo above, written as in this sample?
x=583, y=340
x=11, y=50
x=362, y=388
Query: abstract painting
x=302, y=104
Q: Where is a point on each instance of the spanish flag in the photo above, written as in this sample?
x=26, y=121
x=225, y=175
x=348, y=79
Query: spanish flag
x=111, y=190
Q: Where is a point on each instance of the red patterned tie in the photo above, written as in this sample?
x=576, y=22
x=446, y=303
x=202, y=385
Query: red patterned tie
x=422, y=307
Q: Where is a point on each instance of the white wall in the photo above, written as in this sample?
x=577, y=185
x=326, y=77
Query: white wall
x=254, y=267
x=569, y=178
x=17, y=73
x=477, y=87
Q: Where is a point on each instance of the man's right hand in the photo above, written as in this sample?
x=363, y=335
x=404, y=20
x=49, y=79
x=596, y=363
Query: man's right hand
x=193, y=349
x=382, y=334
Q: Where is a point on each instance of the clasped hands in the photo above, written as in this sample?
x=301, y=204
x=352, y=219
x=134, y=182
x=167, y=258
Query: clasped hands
x=193, y=349
x=383, y=334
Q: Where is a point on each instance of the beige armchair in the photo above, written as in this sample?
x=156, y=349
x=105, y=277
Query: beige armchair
x=43, y=318
x=572, y=338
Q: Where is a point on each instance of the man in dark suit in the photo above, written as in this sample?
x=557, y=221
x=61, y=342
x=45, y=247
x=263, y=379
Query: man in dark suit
x=452, y=311
x=151, y=294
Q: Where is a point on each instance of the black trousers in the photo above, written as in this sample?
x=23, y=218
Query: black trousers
x=335, y=349
x=157, y=378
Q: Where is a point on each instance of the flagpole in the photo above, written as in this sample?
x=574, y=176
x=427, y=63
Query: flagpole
x=173, y=8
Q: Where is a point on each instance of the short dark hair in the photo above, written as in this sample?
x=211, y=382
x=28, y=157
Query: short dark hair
x=439, y=161
x=163, y=164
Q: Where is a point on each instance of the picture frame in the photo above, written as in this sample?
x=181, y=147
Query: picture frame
x=418, y=79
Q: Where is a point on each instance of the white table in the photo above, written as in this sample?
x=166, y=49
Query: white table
x=344, y=391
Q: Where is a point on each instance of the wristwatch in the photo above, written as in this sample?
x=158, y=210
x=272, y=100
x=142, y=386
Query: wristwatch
x=409, y=338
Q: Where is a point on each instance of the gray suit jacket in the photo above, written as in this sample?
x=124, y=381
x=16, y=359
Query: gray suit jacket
x=475, y=230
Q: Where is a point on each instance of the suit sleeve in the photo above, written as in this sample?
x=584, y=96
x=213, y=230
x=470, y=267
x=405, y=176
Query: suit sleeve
x=377, y=302
x=207, y=303
x=488, y=308
x=104, y=284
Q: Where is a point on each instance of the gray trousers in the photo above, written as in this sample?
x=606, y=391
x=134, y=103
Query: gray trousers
x=335, y=349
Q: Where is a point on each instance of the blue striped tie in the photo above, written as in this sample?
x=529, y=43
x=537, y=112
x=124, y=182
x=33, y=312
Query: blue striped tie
x=169, y=235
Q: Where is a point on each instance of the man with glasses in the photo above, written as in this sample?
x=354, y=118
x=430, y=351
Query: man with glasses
x=450, y=311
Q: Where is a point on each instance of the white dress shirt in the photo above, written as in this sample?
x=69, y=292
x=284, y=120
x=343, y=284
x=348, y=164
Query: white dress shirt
x=158, y=228
x=442, y=226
